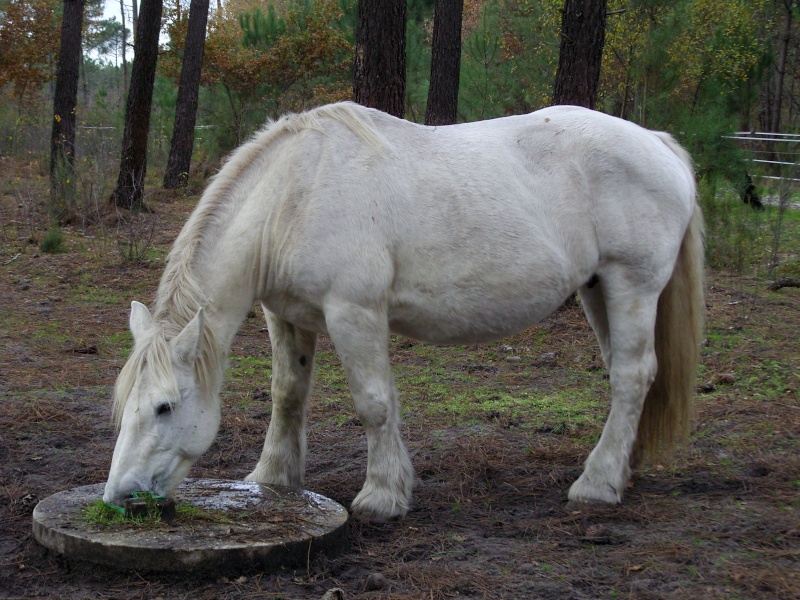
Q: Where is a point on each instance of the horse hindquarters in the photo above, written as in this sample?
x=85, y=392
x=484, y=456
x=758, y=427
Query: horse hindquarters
x=651, y=350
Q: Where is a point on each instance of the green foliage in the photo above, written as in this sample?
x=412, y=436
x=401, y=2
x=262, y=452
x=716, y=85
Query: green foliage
x=704, y=131
x=100, y=513
x=418, y=57
x=662, y=57
x=101, y=36
x=783, y=223
x=714, y=42
x=260, y=30
x=162, y=116
x=52, y=241
x=509, y=59
x=734, y=231
x=480, y=82
x=296, y=55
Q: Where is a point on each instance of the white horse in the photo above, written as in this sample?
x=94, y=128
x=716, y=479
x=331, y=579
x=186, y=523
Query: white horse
x=349, y=222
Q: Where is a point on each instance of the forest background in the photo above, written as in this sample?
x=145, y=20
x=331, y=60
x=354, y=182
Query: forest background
x=701, y=69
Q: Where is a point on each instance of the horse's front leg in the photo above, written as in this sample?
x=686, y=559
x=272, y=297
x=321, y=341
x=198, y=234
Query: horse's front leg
x=283, y=458
x=632, y=369
x=361, y=337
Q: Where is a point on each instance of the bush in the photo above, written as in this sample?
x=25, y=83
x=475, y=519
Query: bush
x=52, y=241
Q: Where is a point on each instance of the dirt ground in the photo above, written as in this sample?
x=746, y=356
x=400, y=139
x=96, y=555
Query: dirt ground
x=490, y=518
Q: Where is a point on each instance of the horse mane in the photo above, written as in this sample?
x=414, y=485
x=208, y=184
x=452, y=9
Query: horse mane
x=152, y=351
x=248, y=156
x=354, y=117
x=179, y=295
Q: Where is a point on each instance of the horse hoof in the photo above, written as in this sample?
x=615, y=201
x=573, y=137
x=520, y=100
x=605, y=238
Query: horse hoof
x=365, y=508
x=583, y=492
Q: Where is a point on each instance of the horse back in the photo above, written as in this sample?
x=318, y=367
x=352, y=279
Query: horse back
x=475, y=230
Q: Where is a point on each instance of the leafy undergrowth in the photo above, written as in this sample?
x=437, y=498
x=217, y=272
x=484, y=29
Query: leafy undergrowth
x=497, y=433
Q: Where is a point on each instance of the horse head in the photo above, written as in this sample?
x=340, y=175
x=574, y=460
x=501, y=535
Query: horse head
x=165, y=417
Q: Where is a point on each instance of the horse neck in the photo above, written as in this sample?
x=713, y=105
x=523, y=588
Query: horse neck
x=217, y=271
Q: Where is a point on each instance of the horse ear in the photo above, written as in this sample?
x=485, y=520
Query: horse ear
x=186, y=345
x=140, y=320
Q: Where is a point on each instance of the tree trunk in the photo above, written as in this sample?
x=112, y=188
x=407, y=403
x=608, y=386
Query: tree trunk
x=445, y=63
x=180, y=153
x=62, y=139
x=124, y=34
x=135, y=11
x=780, y=67
x=380, y=63
x=133, y=163
x=583, y=25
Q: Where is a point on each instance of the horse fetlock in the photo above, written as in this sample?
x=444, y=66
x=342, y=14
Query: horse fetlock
x=380, y=504
x=386, y=495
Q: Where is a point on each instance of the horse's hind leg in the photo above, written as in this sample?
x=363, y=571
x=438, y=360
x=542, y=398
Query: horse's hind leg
x=594, y=306
x=631, y=360
x=283, y=457
x=361, y=337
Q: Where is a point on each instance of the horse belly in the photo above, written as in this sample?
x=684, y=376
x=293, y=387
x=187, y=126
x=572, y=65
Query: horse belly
x=457, y=317
x=474, y=289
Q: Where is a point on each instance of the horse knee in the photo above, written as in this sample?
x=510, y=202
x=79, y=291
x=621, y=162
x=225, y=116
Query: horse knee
x=374, y=409
x=633, y=375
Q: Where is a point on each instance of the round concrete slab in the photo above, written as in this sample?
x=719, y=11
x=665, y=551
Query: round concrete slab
x=255, y=527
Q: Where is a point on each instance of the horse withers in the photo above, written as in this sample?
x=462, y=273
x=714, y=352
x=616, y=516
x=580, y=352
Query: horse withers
x=346, y=221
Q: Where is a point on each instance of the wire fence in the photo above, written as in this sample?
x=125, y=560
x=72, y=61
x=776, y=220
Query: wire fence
x=777, y=155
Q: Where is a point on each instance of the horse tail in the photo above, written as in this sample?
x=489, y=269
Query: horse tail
x=666, y=415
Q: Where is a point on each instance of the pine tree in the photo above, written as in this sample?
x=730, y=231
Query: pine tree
x=133, y=164
x=445, y=63
x=180, y=154
x=380, y=62
x=62, y=139
x=583, y=26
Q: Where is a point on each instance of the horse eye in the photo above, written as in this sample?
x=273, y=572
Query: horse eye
x=163, y=409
